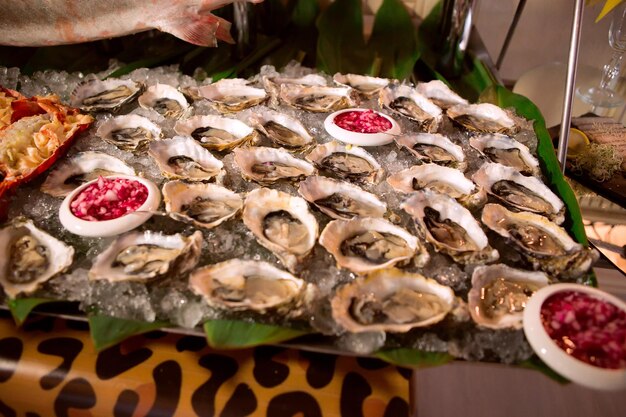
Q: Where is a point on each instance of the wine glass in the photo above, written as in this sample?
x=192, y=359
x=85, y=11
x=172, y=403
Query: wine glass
x=604, y=95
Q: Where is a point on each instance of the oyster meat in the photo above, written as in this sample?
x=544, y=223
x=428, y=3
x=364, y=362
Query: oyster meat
x=81, y=168
x=216, y=132
x=440, y=94
x=268, y=165
x=506, y=151
x=434, y=148
x=450, y=227
x=340, y=200
x=391, y=300
x=365, y=244
x=351, y=163
x=129, y=132
x=183, y=158
x=143, y=256
x=232, y=95
x=317, y=99
x=107, y=95
x=248, y=285
x=206, y=205
x=499, y=295
x=29, y=257
x=483, y=117
x=272, y=84
x=284, y=131
x=165, y=100
x=518, y=191
x=282, y=223
x=406, y=101
x=366, y=85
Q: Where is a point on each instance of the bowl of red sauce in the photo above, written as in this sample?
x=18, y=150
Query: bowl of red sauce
x=580, y=332
x=108, y=206
x=364, y=127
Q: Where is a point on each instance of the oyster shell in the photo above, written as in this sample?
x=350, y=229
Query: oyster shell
x=281, y=223
x=268, y=165
x=391, y=300
x=499, y=295
x=518, y=191
x=81, y=168
x=340, y=200
x=366, y=85
x=282, y=130
x=216, y=132
x=450, y=227
x=406, y=101
x=434, y=148
x=440, y=94
x=448, y=181
x=107, y=95
x=317, y=99
x=29, y=257
x=165, y=100
x=365, y=244
x=272, y=84
x=232, y=95
x=183, y=158
x=506, y=151
x=129, y=132
x=143, y=256
x=483, y=117
x=247, y=285
x=351, y=163
x=206, y=205
x=545, y=245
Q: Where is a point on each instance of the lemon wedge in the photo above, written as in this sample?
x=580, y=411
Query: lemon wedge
x=578, y=142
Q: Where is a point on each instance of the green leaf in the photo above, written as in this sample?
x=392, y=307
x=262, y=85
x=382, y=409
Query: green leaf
x=538, y=365
x=394, y=40
x=107, y=331
x=414, y=358
x=232, y=334
x=21, y=307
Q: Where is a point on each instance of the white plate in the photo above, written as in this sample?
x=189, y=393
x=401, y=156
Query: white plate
x=113, y=227
x=556, y=358
x=361, y=139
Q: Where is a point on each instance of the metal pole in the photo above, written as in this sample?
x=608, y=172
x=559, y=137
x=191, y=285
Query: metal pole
x=509, y=34
x=572, y=63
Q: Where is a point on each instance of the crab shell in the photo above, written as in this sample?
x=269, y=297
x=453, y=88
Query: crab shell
x=520, y=157
x=232, y=95
x=129, y=121
x=430, y=116
x=163, y=150
x=153, y=94
x=84, y=95
x=484, y=276
x=319, y=155
x=241, y=132
x=483, y=117
x=247, y=158
x=378, y=286
x=454, y=153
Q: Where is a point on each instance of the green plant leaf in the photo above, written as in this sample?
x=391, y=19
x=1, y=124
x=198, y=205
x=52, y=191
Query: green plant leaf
x=107, y=331
x=22, y=307
x=414, y=358
x=538, y=365
x=233, y=334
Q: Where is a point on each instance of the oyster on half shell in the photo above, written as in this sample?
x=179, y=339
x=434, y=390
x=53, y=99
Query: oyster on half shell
x=483, y=117
x=268, y=165
x=317, y=99
x=107, y=95
x=183, y=158
x=29, y=257
x=282, y=130
x=440, y=94
x=232, y=95
x=351, y=163
x=216, y=132
x=165, y=100
x=366, y=85
x=129, y=132
x=406, y=101
x=434, y=148
x=506, y=151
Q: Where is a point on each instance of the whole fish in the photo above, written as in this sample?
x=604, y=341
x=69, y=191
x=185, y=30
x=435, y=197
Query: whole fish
x=56, y=22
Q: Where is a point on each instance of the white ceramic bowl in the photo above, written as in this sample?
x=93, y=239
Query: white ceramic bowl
x=361, y=139
x=556, y=358
x=113, y=227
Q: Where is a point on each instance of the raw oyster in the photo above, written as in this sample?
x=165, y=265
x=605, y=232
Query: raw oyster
x=450, y=227
x=545, y=245
x=340, y=200
x=216, y=132
x=232, y=95
x=183, y=158
x=499, y=295
x=349, y=162
x=391, y=300
x=317, y=99
x=206, y=205
x=165, y=100
x=483, y=117
x=518, y=191
x=81, y=168
x=282, y=223
x=366, y=85
x=440, y=94
x=435, y=148
x=283, y=130
x=406, y=101
x=248, y=285
x=109, y=95
x=129, y=132
x=448, y=181
x=29, y=257
x=268, y=165
x=272, y=84
x=365, y=244
x=506, y=151
x=143, y=256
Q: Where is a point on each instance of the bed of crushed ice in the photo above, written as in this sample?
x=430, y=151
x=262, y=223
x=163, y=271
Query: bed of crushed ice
x=172, y=300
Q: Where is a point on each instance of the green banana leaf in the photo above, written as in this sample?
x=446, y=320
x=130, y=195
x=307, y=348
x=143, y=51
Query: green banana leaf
x=233, y=334
x=22, y=307
x=107, y=331
x=414, y=358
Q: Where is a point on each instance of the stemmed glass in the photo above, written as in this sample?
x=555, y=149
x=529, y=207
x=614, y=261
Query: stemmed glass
x=605, y=95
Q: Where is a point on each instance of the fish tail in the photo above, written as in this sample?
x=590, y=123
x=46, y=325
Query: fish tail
x=199, y=29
